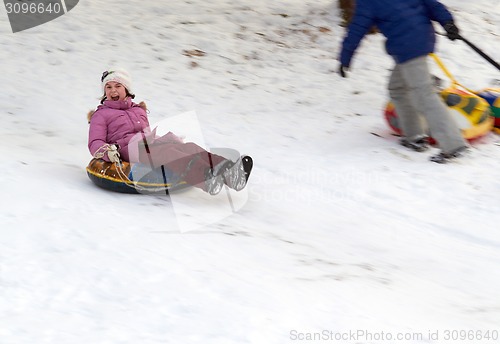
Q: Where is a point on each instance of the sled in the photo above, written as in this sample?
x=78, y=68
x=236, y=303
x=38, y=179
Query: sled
x=492, y=96
x=132, y=178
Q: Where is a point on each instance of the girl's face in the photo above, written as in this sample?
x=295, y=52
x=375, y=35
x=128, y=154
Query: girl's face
x=115, y=91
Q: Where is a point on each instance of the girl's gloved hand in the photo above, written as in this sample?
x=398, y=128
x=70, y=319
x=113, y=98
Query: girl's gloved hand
x=113, y=154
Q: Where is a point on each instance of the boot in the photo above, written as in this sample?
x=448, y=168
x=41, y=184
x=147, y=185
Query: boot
x=418, y=144
x=235, y=176
x=213, y=183
x=443, y=158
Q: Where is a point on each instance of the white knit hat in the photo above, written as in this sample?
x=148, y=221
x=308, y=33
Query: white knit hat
x=117, y=75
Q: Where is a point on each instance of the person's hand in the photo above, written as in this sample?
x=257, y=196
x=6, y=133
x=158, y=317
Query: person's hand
x=452, y=31
x=343, y=71
x=113, y=154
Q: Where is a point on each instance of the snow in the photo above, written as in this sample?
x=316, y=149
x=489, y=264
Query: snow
x=339, y=230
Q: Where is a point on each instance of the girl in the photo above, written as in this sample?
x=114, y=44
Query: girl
x=118, y=124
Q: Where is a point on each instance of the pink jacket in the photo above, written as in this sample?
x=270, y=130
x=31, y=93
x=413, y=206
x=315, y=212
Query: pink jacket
x=116, y=122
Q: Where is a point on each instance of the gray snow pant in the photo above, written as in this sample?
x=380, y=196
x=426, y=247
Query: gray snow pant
x=413, y=94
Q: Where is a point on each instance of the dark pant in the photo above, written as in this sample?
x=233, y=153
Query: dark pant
x=184, y=159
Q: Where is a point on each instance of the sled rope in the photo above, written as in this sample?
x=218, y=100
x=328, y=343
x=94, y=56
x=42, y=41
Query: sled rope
x=99, y=154
x=447, y=72
x=133, y=184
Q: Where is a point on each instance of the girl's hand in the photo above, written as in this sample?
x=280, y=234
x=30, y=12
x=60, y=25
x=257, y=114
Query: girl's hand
x=113, y=154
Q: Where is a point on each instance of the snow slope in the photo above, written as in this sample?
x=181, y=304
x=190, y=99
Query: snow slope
x=341, y=230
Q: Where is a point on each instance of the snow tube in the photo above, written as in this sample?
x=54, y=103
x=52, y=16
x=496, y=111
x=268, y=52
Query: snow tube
x=471, y=112
x=132, y=178
x=492, y=96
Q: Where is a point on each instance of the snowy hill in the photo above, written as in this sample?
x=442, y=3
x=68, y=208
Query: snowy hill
x=341, y=230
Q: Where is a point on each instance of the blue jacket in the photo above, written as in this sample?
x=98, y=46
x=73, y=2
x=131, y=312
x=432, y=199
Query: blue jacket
x=405, y=23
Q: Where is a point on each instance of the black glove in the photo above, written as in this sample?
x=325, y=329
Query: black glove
x=343, y=71
x=452, y=31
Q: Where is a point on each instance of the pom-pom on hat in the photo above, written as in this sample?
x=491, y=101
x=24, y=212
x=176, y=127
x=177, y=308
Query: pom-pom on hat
x=117, y=75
